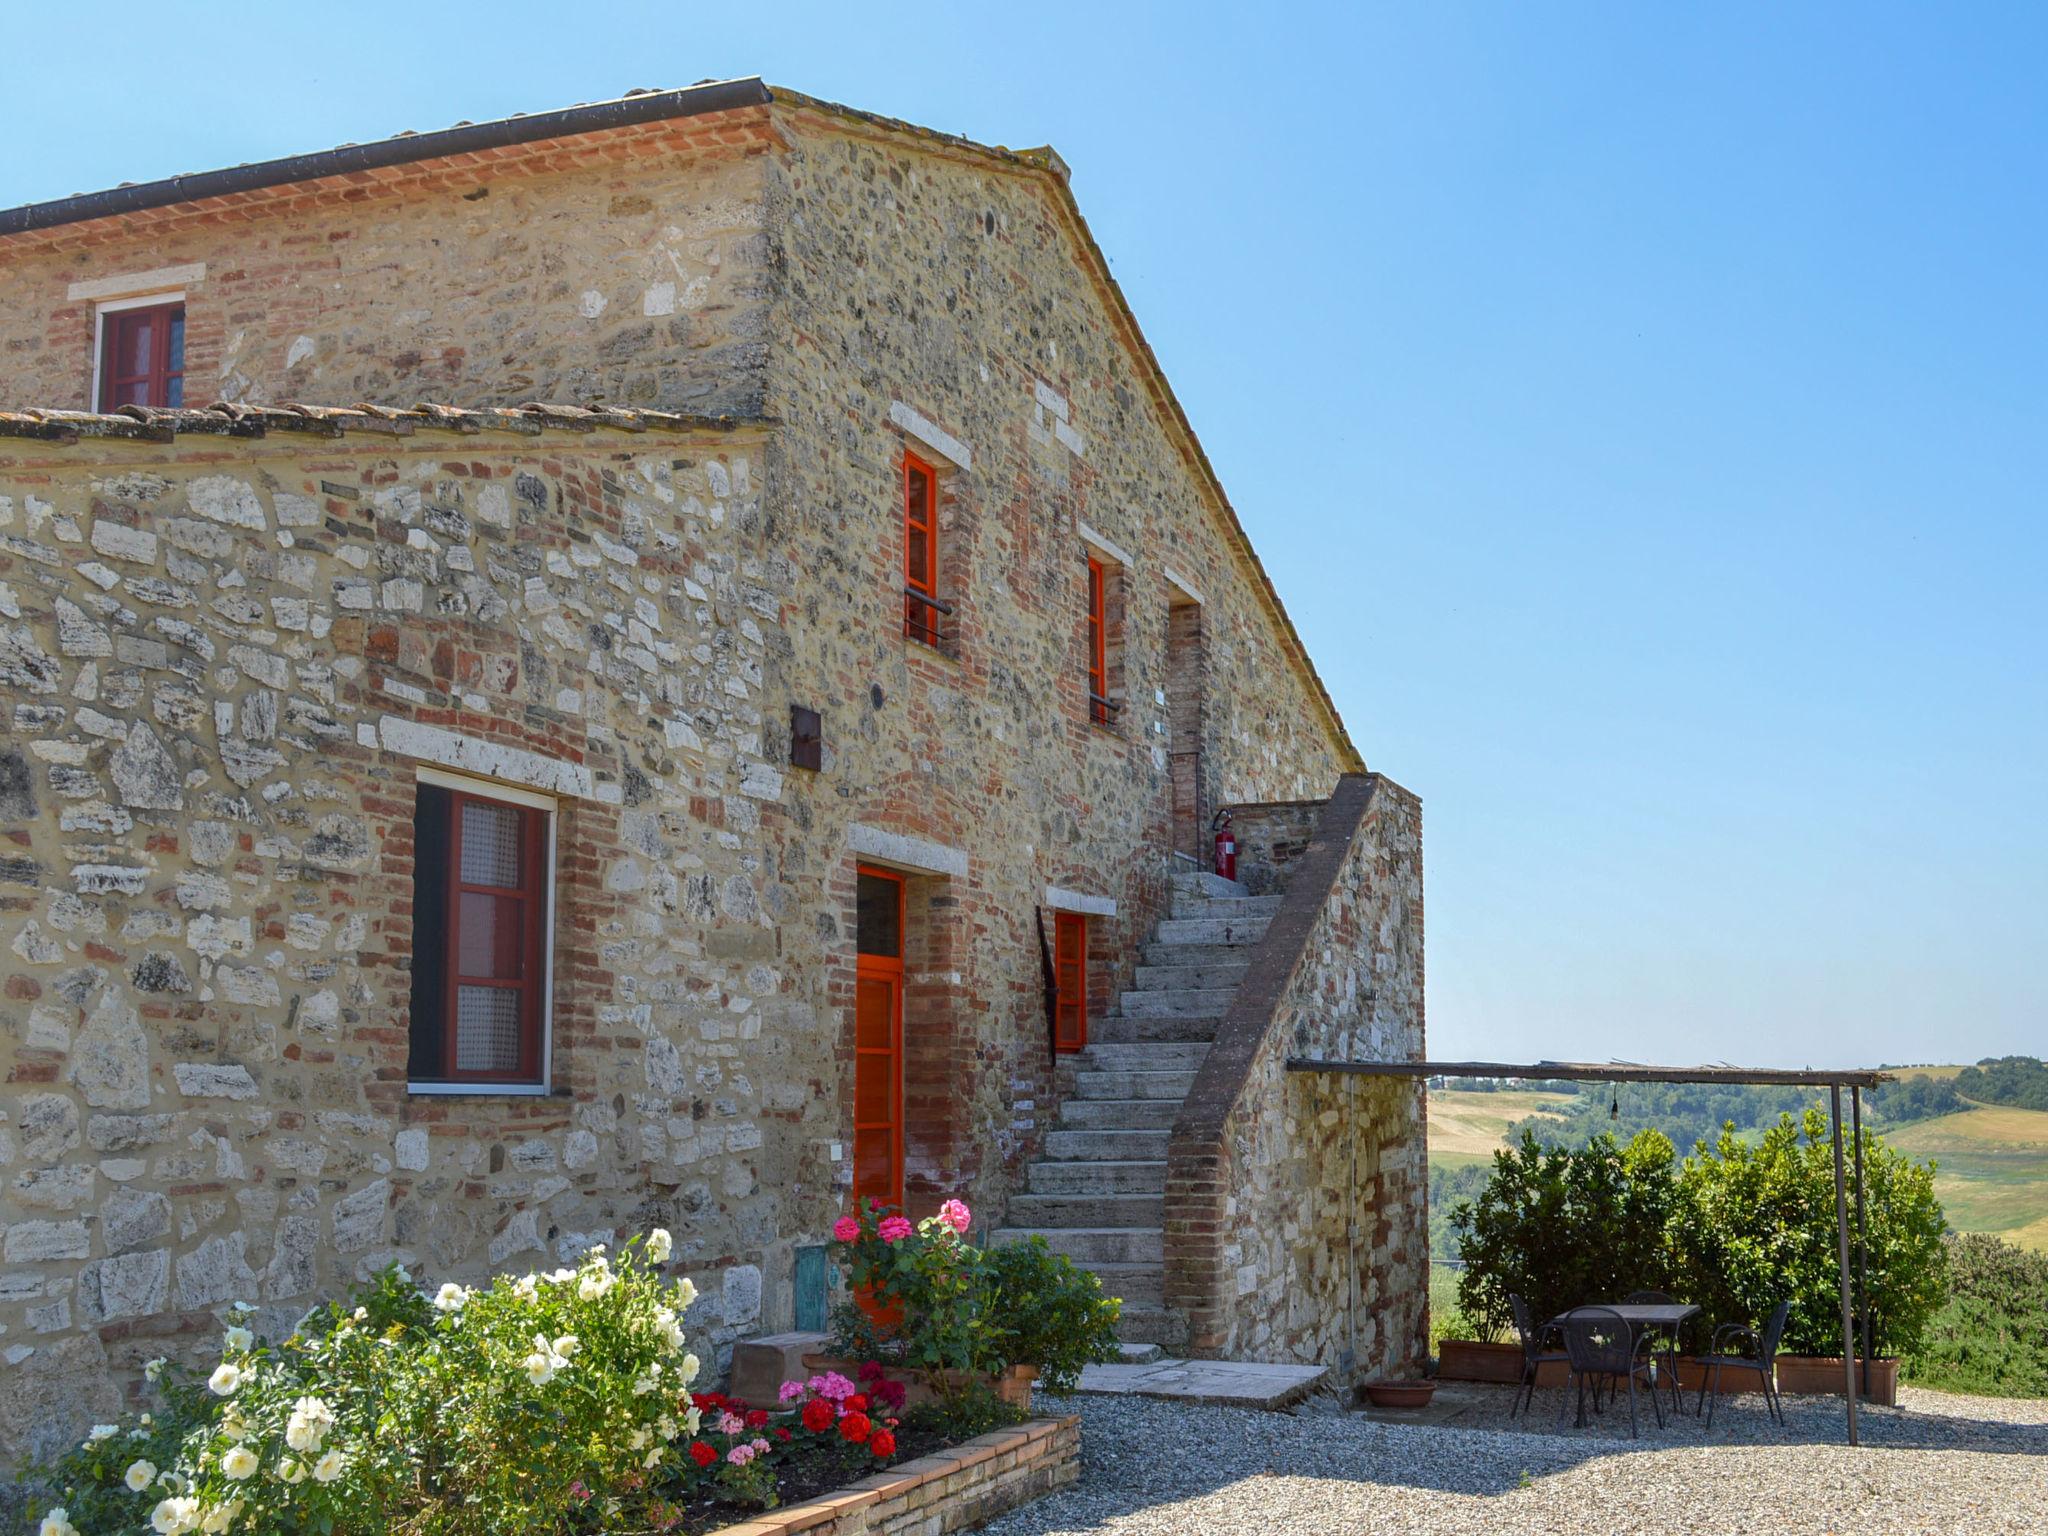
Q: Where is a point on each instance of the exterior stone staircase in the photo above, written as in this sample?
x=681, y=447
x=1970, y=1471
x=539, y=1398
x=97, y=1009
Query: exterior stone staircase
x=1098, y=1194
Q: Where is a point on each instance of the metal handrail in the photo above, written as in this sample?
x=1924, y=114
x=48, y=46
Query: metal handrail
x=928, y=601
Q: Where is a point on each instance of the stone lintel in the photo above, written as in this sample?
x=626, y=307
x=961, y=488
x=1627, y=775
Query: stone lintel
x=899, y=850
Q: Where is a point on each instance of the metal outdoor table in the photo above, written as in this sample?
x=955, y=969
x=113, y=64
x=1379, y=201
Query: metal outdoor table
x=1644, y=1315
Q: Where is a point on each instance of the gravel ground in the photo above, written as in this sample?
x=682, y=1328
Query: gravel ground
x=1936, y=1463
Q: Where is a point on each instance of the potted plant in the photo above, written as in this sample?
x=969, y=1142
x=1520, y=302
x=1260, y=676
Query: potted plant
x=1762, y=1229
x=951, y=1319
x=1557, y=1227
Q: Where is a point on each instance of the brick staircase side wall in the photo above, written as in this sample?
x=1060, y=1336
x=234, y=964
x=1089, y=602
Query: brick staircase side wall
x=1296, y=1204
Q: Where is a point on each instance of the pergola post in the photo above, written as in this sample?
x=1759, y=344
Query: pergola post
x=1862, y=1243
x=1842, y=1254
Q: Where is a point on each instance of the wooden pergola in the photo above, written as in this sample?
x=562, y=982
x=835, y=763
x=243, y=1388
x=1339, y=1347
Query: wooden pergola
x=1761, y=1077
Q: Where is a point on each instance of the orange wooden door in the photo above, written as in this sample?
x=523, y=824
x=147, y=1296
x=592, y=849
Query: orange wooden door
x=878, y=1040
x=1070, y=976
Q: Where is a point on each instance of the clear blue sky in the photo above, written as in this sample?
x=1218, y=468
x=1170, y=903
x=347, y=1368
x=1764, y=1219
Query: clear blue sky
x=1643, y=410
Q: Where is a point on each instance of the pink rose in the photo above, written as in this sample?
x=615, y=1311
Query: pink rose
x=954, y=1213
x=845, y=1230
x=895, y=1228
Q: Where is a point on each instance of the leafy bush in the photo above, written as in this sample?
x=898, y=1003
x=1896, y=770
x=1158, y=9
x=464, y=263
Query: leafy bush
x=1992, y=1337
x=1736, y=1229
x=926, y=1298
x=1759, y=1227
x=1558, y=1227
x=542, y=1403
x=1044, y=1311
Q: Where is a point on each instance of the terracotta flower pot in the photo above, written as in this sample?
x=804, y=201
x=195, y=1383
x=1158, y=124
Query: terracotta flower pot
x=1400, y=1394
x=1823, y=1375
x=1013, y=1386
x=1475, y=1360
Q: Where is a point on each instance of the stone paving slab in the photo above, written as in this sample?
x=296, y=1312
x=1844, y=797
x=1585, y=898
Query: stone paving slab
x=1237, y=1383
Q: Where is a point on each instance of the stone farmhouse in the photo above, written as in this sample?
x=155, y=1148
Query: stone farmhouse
x=778, y=769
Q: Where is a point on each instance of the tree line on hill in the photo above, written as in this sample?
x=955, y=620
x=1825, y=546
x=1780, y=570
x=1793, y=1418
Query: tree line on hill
x=2018, y=1081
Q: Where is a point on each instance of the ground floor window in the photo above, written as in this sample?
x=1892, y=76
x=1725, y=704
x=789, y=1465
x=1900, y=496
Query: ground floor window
x=878, y=1038
x=482, y=861
x=1070, y=979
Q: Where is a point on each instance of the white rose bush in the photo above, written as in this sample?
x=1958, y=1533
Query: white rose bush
x=546, y=1402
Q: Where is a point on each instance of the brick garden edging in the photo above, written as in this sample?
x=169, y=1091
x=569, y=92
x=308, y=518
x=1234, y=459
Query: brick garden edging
x=960, y=1489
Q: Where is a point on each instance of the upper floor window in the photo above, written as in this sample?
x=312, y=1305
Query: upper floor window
x=142, y=355
x=482, y=863
x=1098, y=644
x=921, y=604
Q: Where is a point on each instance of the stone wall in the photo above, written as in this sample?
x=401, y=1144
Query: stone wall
x=221, y=665
x=1296, y=1207
x=1270, y=838
x=222, y=659
x=627, y=267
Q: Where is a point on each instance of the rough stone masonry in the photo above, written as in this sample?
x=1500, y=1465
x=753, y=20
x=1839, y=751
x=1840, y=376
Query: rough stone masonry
x=232, y=642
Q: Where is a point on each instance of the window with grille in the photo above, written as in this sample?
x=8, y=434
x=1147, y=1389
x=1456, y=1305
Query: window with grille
x=142, y=356
x=922, y=607
x=480, y=922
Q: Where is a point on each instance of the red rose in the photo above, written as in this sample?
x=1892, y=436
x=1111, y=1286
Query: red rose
x=855, y=1404
x=855, y=1427
x=817, y=1415
x=757, y=1418
x=883, y=1444
x=702, y=1454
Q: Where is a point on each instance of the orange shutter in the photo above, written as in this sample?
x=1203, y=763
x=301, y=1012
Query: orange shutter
x=1070, y=962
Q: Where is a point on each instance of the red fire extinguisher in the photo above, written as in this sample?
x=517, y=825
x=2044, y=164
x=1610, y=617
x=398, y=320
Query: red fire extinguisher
x=1226, y=845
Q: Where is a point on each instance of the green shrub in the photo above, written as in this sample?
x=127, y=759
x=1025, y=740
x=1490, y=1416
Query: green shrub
x=538, y=1404
x=1560, y=1227
x=1992, y=1337
x=925, y=1297
x=1736, y=1228
x=1047, y=1312
x=1759, y=1227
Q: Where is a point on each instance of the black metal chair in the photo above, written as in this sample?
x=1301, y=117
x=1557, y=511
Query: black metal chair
x=1600, y=1346
x=1761, y=1360
x=1534, y=1356
x=1662, y=1299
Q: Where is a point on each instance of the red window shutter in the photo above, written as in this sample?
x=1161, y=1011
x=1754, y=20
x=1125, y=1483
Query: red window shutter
x=1098, y=671
x=142, y=357
x=496, y=940
x=920, y=551
x=1070, y=975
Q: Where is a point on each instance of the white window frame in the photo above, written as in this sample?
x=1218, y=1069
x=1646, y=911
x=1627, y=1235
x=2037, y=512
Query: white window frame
x=493, y=789
x=106, y=307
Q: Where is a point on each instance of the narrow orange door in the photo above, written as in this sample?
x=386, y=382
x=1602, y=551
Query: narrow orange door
x=878, y=1039
x=1070, y=976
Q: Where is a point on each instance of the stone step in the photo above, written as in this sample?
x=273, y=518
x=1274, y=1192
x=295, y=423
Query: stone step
x=1143, y=1055
x=1204, y=1003
x=1203, y=883
x=1211, y=930
x=1147, y=1177
x=1185, y=905
x=1153, y=1325
x=1102, y=1211
x=1105, y=1146
x=1189, y=978
x=1140, y=1354
x=1133, y=1085
x=1135, y=1285
x=1118, y=1114
x=1095, y=1245
x=1119, y=1030
x=1157, y=953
